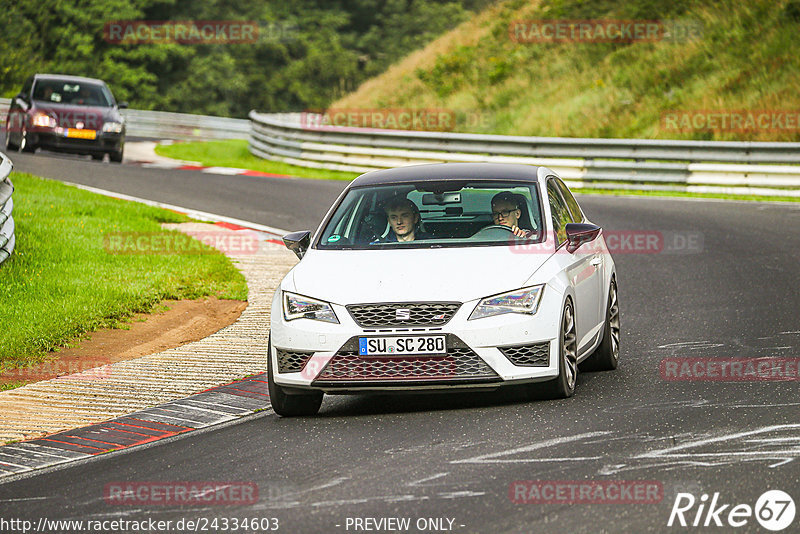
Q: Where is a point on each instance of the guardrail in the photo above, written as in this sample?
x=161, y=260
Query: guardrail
x=7, y=237
x=166, y=125
x=729, y=167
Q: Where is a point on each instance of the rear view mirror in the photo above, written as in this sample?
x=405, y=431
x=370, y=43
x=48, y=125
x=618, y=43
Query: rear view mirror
x=122, y=105
x=298, y=242
x=437, y=199
x=580, y=233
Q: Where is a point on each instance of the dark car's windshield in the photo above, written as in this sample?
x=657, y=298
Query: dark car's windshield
x=72, y=93
x=434, y=214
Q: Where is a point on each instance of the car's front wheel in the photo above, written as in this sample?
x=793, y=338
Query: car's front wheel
x=25, y=144
x=563, y=385
x=290, y=405
x=9, y=145
x=116, y=156
x=606, y=355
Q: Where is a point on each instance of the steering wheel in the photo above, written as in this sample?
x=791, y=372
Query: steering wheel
x=490, y=229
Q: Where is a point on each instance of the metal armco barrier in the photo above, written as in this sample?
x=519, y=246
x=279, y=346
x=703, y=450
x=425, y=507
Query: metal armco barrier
x=7, y=237
x=748, y=168
x=165, y=125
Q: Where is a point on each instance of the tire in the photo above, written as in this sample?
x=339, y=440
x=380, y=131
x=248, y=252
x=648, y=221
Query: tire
x=115, y=157
x=606, y=356
x=24, y=143
x=9, y=145
x=563, y=386
x=287, y=405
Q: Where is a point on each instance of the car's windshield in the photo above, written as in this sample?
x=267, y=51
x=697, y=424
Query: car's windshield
x=434, y=214
x=72, y=93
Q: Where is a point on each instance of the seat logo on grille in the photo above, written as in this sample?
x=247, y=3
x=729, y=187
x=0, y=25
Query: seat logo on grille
x=402, y=314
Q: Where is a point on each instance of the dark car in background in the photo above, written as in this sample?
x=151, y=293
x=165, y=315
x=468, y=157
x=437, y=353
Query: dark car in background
x=66, y=114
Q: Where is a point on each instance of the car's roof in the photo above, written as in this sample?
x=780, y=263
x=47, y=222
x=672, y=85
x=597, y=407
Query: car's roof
x=450, y=171
x=67, y=77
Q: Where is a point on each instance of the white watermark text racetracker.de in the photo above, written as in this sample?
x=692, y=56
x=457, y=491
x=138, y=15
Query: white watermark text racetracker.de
x=150, y=525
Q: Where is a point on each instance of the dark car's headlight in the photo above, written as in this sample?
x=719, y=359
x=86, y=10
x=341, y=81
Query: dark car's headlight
x=112, y=127
x=299, y=307
x=525, y=300
x=43, y=120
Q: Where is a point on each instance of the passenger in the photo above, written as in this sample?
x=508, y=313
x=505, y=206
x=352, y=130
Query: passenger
x=404, y=220
x=85, y=97
x=506, y=211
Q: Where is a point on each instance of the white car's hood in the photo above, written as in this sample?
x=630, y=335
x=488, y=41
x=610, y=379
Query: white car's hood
x=446, y=274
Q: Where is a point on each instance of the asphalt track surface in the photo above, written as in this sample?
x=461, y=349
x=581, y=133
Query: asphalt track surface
x=734, y=294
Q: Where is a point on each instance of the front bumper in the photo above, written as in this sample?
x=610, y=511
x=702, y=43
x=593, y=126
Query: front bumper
x=51, y=139
x=482, y=353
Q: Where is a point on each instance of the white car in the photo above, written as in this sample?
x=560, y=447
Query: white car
x=505, y=282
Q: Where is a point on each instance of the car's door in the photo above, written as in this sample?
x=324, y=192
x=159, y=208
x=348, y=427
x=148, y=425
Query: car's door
x=582, y=266
x=598, y=256
x=16, y=111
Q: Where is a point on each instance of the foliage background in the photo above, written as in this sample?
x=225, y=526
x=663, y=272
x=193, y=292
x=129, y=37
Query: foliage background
x=333, y=47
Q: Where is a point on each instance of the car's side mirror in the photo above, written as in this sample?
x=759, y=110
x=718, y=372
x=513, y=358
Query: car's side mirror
x=580, y=233
x=122, y=105
x=298, y=242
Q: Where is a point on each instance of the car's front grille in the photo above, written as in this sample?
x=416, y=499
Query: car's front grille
x=401, y=314
x=292, y=361
x=460, y=363
x=536, y=355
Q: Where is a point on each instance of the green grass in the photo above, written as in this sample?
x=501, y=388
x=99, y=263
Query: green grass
x=61, y=282
x=11, y=385
x=234, y=153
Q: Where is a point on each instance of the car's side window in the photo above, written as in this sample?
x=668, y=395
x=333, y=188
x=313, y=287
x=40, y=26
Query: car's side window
x=560, y=213
x=572, y=204
x=27, y=87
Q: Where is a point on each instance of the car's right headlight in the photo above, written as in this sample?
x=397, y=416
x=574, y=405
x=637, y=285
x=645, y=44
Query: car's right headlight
x=300, y=307
x=112, y=127
x=524, y=300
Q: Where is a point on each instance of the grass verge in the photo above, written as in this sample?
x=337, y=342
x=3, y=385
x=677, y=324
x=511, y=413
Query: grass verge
x=234, y=153
x=61, y=282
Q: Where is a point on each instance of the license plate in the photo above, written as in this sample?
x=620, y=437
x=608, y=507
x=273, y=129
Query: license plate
x=401, y=346
x=81, y=134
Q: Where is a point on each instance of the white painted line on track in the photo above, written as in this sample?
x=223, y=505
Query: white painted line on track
x=195, y=214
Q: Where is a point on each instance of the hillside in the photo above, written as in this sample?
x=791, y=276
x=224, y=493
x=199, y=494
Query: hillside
x=744, y=59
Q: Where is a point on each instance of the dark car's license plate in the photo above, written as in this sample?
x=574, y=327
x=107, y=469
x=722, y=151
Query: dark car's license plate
x=81, y=134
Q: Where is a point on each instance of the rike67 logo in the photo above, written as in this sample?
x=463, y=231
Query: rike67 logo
x=774, y=510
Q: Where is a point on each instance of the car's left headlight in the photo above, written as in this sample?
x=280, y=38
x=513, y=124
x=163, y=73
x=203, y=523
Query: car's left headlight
x=299, y=307
x=524, y=300
x=112, y=127
x=43, y=120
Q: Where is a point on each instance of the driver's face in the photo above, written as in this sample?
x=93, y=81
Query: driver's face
x=505, y=214
x=402, y=221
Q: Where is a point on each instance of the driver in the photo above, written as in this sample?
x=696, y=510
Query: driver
x=506, y=211
x=404, y=219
